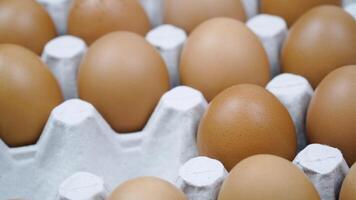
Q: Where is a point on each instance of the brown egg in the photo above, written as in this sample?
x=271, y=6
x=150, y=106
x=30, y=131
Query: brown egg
x=348, y=189
x=91, y=19
x=148, y=188
x=245, y=120
x=332, y=112
x=188, y=14
x=320, y=41
x=220, y=53
x=291, y=10
x=124, y=77
x=28, y=93
x=25, y=23
x=267, y=177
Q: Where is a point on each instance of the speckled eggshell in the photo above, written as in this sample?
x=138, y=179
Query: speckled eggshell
x=91, y=19
x=28, y=93
x=147, y=188
x=267, y=177
x=220, y=53
x=348, y=189
x=124, y=77
x=25, y=23
x=322, y=40
x=188, y=14
x=332, y=112
x=291, y=10
x=245, y=120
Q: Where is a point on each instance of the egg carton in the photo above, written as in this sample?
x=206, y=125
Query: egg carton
x=76, y=138
x=64, y=164
x=166, y=143
x=201, y=178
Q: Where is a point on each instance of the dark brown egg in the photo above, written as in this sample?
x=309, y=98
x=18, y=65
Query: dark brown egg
x=28, y=93
x=245, y=120
x=348, y=189
x=147, y=188
x=320, y=41
x=291, y=10
x=332, y=112
x=188, y=14
x=91, y=19
x=220, y=53
x=267, y=177
x=25, y=23
x=124, y=77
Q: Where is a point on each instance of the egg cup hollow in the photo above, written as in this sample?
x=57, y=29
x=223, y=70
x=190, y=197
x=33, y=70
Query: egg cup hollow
x=76, y=138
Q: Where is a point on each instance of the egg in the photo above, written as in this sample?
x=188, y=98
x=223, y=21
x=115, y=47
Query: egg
x=291, y=10
x=348, y=189
x=28, y=93
x=220, y=53
x=25, y=23
x=124, y=77
x=332, y=112
x=91, y=19
x=245, y=120
x=267, y=177
x=320, y=41
x=148, y=188
x=188, y=14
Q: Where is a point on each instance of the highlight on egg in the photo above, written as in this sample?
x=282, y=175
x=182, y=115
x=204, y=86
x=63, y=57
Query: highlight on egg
x=25, y=23
x=291, y=10
x=267, y=177
x=245, y=120
x=332, y=112
x=28, y=93
x=188, y=14
x=124, y=77
x=220, y=53
x=92, y=19
x=348, y=189
x=322, y=40
x=148, y=188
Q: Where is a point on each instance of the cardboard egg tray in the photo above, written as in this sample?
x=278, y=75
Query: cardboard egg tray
x=79, y=156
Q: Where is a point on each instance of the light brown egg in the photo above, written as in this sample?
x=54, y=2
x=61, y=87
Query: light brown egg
x=28, y=93
x=25, y=23
x=220, y=53
x=348, y=189
x=320, y=41
x=267, y=177
x=124, y=77
x=245, y=120
x=147, y=188
x=332, y=112
x=188, y=14
x=291, y=10
x=91, y=19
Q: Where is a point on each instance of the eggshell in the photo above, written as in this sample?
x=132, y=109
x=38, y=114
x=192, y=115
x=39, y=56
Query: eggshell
x=332, y=112
x=148, y=188
x=28, y=93
x=91, y=19
x=188, y=14
x=291, y=10
x=320, y=41
x=25, y=23
x=123, y=76
x=267, y=177
x=220, y=53
x=245, y=120
x=348, y=189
